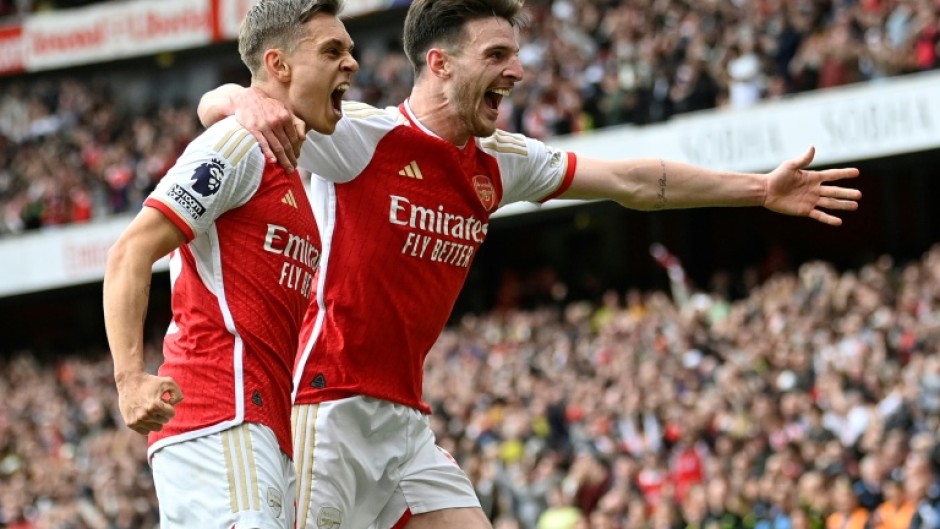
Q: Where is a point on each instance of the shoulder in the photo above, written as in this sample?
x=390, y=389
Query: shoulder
x=228, y=143
x=357, y=111
x=502, y=142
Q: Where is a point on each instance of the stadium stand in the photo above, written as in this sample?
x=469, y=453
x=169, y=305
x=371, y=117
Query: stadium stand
x=810, y=400
x=12, y=8
x=816, y=395
x=640, y=63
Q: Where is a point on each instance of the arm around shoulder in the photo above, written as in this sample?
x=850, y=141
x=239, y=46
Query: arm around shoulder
x=219, y=103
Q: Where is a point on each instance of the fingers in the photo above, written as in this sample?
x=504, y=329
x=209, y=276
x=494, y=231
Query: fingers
x=844, y=193
x=170, y=392
x=841, y=205
x=805, y=160
x=153, y=406
x=837, y=174
x=143, y=430
x=153, y=420
x=825, y=218
x=835, y=198
x=271, y=124
x=272, y=140
x=299, y=135
x=282, y=145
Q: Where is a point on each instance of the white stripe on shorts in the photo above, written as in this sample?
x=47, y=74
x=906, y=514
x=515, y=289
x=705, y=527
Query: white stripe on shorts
x=304, y=426
x=240, y=467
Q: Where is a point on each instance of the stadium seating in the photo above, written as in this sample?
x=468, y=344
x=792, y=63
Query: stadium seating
x=817, y=393
x=641, y=62
x=812, y=402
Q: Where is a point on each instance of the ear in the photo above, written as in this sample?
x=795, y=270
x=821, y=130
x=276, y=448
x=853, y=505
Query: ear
x=438, y=63
x=276, y=65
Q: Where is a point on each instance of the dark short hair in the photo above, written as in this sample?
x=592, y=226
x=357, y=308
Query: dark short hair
x=442, y=22
x=278, y=24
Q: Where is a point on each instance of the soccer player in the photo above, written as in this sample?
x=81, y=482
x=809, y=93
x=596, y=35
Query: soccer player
x=403, y=196
x=245, y=251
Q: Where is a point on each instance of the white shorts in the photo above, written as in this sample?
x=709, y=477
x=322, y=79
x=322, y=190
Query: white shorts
x=238, y=478
x=367, y=463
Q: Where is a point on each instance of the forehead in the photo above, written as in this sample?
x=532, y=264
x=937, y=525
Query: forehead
x=490, y=32
x=324, y=27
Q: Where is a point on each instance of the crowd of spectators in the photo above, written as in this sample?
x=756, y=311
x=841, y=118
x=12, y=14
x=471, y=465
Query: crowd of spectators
x=18, y=8
x=811, y=403
x=69, y=151
x=66, y=462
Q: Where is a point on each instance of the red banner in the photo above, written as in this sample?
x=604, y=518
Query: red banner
x=113, y=31
x=11, y=49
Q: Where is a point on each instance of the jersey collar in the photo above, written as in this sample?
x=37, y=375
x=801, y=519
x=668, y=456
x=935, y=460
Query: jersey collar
x=405, y=109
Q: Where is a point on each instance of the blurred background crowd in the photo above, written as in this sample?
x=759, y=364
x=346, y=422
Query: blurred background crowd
x=13, y=8
x=810, y=400
x=69, y=151
x=811, y=403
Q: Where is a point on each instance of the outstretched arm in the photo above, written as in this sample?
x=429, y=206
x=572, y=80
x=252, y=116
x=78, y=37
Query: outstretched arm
x=651, y=184
x=279, y=133
x=149, y=237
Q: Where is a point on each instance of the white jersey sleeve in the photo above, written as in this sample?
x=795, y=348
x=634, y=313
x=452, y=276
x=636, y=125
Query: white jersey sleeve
x=220, y=170
x=341, y=156
x=530, y=170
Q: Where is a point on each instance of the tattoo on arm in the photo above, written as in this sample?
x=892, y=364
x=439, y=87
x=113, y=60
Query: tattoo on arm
x=661, y=196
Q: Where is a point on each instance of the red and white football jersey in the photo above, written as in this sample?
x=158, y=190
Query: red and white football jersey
x=240, y=286
x=401, y=214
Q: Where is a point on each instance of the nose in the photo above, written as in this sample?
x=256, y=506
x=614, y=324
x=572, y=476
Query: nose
x=514, y=69
x=350, y=64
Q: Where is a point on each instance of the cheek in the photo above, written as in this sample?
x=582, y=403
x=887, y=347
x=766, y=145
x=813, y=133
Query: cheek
x=315, y=84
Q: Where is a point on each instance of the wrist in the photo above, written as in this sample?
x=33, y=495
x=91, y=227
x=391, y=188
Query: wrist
x=128, y=374
x=761, y=189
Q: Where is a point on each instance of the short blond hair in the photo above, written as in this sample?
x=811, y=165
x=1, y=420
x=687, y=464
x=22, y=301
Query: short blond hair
x=278, y=24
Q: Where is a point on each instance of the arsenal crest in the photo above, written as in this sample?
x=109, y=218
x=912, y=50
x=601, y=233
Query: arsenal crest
x=485, y=190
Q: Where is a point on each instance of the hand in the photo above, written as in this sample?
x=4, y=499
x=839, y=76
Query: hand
x=279, y=132
x=793, y=190
x=142, y=403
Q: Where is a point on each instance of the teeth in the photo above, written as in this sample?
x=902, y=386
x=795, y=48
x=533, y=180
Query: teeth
x=501, y=91
x=342, y=88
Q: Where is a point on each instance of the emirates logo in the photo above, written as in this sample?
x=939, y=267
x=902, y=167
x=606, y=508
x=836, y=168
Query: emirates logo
x=485, y=191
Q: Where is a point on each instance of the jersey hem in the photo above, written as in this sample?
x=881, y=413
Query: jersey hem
x=208, y=430
x=328, y=396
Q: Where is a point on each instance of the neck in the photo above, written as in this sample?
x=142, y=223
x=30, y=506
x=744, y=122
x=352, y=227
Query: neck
x=431, y=107
x=280, y=92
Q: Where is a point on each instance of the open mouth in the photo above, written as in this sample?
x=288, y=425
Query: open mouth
x=336, y=97
x=494, y=97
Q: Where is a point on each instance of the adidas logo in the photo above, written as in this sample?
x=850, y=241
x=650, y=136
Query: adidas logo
x=412, y=171
x=289, y=199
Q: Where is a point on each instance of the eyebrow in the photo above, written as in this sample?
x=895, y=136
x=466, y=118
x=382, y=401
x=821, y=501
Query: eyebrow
x=337, y=42
x=334, y=41
x=501, y=47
